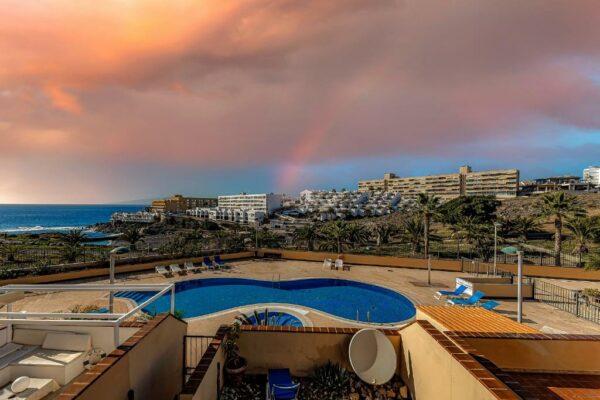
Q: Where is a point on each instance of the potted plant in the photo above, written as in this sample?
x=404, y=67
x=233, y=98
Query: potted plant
x=235, y=364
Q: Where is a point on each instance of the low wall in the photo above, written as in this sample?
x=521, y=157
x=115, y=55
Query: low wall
x=378, y=261
x=432, y=372
x=207, y=380
x=120, y=269
x=148, y=365
x=553, y=272
x=437, y=265
x=299, y=349
x=496, y=288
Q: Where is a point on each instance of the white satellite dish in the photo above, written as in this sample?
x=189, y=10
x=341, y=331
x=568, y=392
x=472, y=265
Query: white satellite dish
x=372, y=356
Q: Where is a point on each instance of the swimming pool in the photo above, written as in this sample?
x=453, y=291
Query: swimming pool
x=339, y=297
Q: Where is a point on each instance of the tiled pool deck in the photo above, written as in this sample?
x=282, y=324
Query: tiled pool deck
x=537, y=315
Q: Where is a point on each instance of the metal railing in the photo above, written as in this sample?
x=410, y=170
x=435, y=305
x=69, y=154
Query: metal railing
x=569, y=300
x=194, y=347
x=113, y=320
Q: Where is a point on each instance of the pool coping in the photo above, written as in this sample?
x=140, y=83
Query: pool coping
x=392, y=325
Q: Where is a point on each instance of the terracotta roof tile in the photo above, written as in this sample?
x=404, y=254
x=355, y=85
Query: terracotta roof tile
x=474, y=319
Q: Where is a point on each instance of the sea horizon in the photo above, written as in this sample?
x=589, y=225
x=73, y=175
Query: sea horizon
x=43, y=218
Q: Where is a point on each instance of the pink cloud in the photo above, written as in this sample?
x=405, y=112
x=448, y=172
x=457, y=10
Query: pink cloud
x=289, y=83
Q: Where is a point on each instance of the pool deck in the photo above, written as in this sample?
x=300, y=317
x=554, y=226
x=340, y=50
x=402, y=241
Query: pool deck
x=410, y=282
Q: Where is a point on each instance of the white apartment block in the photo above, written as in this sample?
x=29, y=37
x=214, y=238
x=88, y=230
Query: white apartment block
x=333, y=205
x=229, y=214
x=266, y=203
x=592, y=175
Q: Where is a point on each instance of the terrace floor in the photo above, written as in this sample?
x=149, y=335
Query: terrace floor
x=536, y=315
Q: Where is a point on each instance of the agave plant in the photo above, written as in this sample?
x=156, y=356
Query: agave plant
x=265, y=319
x=332, y=379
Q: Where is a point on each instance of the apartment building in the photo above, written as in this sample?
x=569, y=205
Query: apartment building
x=333, y=205
x=266, y=203
x=499, y=183
x=554, y=184
x=180, y=204
x=592, y=175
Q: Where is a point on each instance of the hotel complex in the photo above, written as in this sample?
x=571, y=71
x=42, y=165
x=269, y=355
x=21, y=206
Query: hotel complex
x=499, y=183
x=266, y=203
x=180, y=204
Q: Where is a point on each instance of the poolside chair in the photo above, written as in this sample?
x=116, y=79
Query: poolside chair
x=280, y=385
x=327, y=263
x=209, y=264
x=339, y=264
x=490, y=305
x=471, y=301
x=163, y=271
x=219, y=262
x=175, y=269
x=188, y=266
x=450, y=293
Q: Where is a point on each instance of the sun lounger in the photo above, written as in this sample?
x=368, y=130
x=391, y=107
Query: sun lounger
x=209, y=264
x=339, y=264
x=490, y=305
x=188, y=266
x=163, y=271
x=219, y=262
x=175, y=269
x=450, y=293
x=327, y=263
x=471, y=301
x=280, y=385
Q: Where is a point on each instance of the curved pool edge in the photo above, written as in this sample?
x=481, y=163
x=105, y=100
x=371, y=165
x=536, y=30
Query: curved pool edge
x=395, y=324
x=390, y=325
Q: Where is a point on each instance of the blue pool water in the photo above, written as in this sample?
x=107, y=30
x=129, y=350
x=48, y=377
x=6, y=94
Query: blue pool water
x=341, y=298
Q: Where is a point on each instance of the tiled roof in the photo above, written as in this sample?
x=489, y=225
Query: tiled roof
x=558, y=386
x=474, y=319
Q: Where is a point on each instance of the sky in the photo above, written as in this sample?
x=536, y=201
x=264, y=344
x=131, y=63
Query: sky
x=137, y=99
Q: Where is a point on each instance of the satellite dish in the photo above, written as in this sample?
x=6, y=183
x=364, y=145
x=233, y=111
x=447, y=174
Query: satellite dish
x=372, y=356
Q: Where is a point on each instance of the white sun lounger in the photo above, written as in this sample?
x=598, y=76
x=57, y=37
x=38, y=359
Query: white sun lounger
x=188, y=266
x=175, y=269
x=327, y=263
x=163, y=271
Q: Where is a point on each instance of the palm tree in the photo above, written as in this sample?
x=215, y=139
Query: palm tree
x=523, y=225
x=594, y=263
x=412, y=232
x=428, y=208
x=457, y=234
x=357, y=234
x=132, y=235
x=74, y=237
x=560, y=205
x=478, y=234
x=9, y=252
x=308, y=234
x=335, y=236
x=382, y=232
x=584, y=230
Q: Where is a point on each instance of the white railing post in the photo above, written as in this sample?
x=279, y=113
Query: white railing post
x=173, y=299
x=116, y=335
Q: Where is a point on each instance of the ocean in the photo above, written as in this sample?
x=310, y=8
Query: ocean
x=39, y=218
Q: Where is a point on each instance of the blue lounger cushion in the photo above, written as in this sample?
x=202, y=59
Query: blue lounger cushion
x=490, y=305
x=281, y=386
x=456, y=292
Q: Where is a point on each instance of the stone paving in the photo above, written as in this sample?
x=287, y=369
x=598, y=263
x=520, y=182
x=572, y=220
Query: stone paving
x=537, y=315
